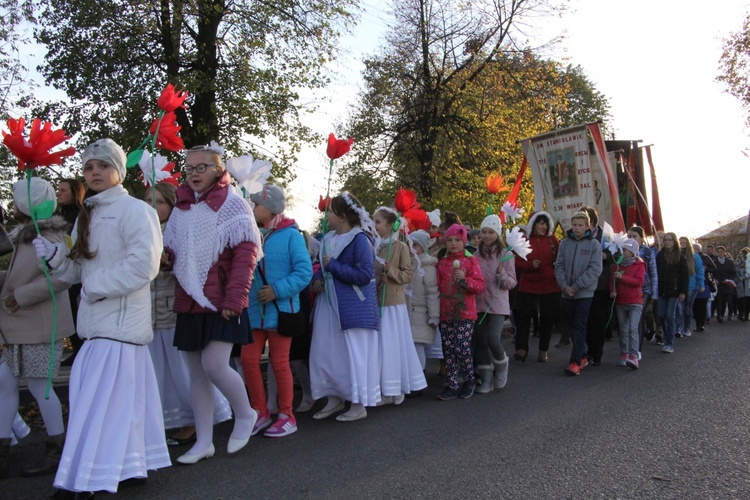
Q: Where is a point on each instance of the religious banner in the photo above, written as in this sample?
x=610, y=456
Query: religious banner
x=569, y=175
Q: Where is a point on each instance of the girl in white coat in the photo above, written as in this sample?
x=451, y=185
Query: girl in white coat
x=115, y=427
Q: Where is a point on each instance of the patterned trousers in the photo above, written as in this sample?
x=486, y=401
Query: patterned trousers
x=456, y=337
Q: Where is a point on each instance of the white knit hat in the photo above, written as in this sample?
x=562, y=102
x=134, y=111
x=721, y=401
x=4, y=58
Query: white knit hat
x=421, y=238
x=493, y=222
x=109, y=152
x=631, y=244
x=41, y=191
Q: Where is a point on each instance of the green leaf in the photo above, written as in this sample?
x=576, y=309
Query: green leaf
x=133, y=158
x=43, y=211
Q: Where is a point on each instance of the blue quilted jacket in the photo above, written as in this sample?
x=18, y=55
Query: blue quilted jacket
x=288, y=270
x=353, y=273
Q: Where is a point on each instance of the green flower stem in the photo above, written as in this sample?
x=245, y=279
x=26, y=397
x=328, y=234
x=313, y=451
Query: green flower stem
x=51, y=291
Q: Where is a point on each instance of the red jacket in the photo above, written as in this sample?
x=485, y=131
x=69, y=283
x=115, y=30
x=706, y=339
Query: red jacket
x=629, y=288
x=541, y=280
x=228, y=281
x=458, y=300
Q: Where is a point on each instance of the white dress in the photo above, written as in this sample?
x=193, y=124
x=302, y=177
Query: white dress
x=401, y=370
x=345, y=364
x=115, y=429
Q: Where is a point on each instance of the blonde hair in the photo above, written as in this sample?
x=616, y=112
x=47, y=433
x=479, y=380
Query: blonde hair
x=581, y=215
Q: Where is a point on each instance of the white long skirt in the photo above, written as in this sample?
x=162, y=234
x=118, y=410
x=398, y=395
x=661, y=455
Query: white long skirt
x=435, y=350
x=115, y=428
x=173, y=380
x=345, y=364
x=400, y=368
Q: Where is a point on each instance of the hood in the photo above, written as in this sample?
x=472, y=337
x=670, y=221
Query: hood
x=26, y=233
x=534, y=217
x=586, y=236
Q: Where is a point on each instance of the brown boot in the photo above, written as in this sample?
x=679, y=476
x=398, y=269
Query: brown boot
x=4, y=457
x=51, y=459
x=521, y=355
x=542, y=356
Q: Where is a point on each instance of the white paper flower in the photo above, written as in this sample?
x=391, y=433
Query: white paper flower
x=159, y=166
x=517, y=242
x=511, y=211
x=434, y=217
x=615, y=241
x=250, y=173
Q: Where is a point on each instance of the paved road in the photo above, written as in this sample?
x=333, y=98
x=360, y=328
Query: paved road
x=677, y=428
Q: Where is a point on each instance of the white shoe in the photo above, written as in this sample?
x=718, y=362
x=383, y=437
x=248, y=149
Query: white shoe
x=235, y=445
x=189, y=459
x=639, y=355
x=327, y=413
x=397, y=400
x=345, y=417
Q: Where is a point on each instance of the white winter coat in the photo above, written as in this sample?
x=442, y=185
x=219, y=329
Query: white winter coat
x=126, y=236
x=424, y=301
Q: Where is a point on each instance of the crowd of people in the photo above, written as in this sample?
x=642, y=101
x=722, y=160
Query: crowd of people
x=177, y=299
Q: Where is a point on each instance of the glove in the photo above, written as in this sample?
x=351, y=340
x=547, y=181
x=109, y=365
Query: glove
x=43, y=248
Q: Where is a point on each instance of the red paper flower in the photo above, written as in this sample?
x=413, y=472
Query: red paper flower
x=171, y=99
x=338, y=147
x=168, y=137
x=35, y=151
x=494, y=184
x=324, y=204
x=407, y=205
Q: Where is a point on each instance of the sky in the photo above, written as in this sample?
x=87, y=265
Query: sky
x=656, y=61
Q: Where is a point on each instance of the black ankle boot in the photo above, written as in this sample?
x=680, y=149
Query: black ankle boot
x=4, y=457
x=51, y=459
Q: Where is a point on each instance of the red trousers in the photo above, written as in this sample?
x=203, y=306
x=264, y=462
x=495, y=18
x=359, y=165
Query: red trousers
x=278, y=351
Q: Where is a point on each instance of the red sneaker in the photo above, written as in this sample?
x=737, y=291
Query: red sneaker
x=573, y=369
x=583, y=364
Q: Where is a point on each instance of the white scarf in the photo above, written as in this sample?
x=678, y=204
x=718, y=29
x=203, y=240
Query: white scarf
x=198, y=236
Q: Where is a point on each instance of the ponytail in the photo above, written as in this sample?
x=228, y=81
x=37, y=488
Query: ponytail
x=81, y=247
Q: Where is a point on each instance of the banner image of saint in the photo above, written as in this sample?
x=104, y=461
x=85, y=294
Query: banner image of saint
x=562, y=172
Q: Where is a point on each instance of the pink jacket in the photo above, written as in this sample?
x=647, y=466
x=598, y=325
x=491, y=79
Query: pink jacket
x=458, y=299
x=499, y=278
x=228, y=281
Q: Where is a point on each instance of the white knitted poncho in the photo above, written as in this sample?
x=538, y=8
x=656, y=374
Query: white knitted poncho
x=199, y=235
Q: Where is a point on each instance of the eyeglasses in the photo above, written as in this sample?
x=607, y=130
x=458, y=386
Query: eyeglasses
x=200, y=168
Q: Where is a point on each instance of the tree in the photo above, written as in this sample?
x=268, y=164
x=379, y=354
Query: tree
x=734, y=66
x=13, y=35
x=243, y=62
x=440, y=127
x=585, y=104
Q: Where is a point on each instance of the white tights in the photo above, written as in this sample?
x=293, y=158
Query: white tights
x=49, y=408
x=211, y=366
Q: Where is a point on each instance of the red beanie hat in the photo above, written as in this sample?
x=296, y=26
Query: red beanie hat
x=456, y=230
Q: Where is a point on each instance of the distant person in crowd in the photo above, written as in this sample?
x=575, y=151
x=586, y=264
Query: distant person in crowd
x=599, y=327
x=725, y=274
x=400, y=369
x=69, y=202
x=577, y=269
x=170, y=365
x=700, y=304
x=279, y=278
x=424, y=302
x=537, y=287
x=672, y=268
x=626, y=283
x=650, y=289
x=345, y=351
x=474, y=239
x=26, y=307
x=493, y=306
x=460, y=281
x=743, y=283
x=684, y=312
